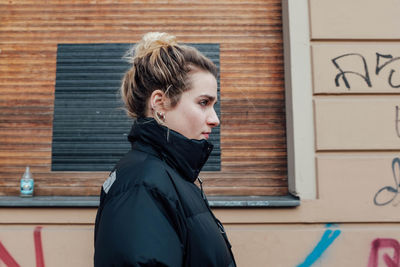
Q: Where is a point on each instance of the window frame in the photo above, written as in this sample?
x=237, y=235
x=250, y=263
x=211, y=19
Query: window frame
x=299, y=127
x=299, y=99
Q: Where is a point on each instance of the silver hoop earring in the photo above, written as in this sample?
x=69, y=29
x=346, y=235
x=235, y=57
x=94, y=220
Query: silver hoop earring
x=160, y=116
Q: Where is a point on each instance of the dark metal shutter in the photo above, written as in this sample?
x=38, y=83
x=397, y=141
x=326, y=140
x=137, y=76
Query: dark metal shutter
x=90, y=127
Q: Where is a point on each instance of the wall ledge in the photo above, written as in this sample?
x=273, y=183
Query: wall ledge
x=93, y=201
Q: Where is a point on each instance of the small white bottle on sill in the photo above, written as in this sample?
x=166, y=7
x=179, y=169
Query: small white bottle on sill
x=27, y=184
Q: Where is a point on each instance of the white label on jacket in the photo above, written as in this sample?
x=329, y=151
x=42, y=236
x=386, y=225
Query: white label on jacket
x=109, y=182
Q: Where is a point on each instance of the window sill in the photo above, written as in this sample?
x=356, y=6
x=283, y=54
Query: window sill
x=93, y=201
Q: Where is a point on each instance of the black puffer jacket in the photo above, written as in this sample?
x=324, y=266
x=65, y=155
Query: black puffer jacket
x=151, y=213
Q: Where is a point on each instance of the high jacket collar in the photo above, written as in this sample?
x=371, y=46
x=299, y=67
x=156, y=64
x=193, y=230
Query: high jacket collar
x=187, y=156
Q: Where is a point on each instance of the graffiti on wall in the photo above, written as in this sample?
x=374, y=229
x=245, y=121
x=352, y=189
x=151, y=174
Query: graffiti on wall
x=9, y=260
x=345, y=65
x=397, y=121
x=326, y=240
x=385, y=245
x=384, y=252
x=389, y=193
x=355, y=65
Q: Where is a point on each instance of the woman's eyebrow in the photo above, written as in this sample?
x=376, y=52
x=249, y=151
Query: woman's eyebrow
x=210, y=97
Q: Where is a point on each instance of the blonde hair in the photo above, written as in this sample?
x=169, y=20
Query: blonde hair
x=159, y=62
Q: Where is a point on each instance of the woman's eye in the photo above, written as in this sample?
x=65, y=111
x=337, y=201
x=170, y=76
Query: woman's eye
x=203, y=102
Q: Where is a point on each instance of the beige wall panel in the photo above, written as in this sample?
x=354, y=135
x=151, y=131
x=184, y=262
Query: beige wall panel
x=253, y=245
x=61, y=245
x=362, y=186
x=331, y=60
x=47, y=216
x=357, y=123
x=355, y=19
x=309, y=211
x=292, y=245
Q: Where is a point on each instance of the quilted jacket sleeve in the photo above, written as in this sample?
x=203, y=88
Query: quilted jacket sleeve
x=139, y=227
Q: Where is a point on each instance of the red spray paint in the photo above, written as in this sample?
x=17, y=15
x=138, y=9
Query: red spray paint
x=37, y=237
x=6, y=257
x=9, y=261
x=381, y=243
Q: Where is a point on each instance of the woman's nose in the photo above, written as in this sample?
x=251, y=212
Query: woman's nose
x=213, y=119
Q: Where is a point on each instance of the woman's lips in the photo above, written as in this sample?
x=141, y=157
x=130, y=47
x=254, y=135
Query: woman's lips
x=206, y=135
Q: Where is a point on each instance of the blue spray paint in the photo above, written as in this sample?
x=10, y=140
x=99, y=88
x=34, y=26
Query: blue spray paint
x=326, y=240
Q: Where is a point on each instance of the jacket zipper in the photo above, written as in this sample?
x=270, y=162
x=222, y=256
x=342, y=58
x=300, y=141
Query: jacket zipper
x=218, y=222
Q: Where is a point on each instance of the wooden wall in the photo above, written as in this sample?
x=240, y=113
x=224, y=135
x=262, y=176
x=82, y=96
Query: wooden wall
x=253, y=142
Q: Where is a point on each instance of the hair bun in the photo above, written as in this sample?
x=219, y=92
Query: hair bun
x=160, y=63
x=152, y=42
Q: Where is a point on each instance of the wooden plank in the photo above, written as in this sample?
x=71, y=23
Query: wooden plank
x=23, y=154
x=91, y=182
x=176, y=2
x=43, y=172
x=21, y=140
x=246, y=191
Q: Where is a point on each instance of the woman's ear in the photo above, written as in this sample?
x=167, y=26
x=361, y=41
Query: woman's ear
x=158, y=105
x=158, y=101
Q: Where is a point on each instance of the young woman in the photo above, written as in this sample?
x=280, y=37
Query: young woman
x=151, y=213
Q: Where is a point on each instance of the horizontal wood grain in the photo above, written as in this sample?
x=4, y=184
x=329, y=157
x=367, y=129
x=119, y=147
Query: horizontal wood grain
x=253, y=136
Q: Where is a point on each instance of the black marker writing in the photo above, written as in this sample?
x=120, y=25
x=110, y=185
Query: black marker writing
x=379, y=68
x=390, y=191
x=397, y=121
x=342, y=73
x=382, y=61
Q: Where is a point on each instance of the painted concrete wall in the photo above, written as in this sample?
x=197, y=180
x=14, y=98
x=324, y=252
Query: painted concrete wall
x=255, y=244
x=354, y=218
